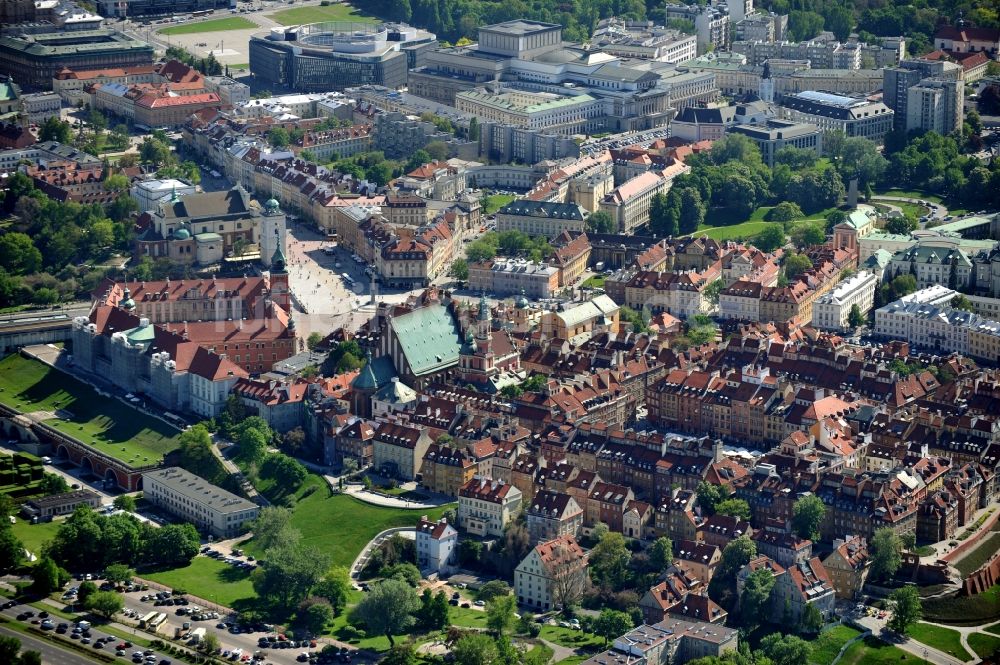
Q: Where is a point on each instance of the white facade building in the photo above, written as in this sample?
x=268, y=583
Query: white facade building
x=198, y=501
x=833, y=309
x=147, y=193
x=436, y=543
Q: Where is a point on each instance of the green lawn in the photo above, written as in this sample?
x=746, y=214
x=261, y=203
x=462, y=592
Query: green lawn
x=217, y=25
x=984, y=644
x=871, y=651
x=595, y=282
x=33, y=536
x=300, y=15
x=826, y=647
x=573, y=660
x=995, y=629
x=943, y=639
x=208, y=579
x=914, y=209
x=965, y=610
x=542, y=652
x=109, y=425
x=972, y=561
x=744, y=230
x=342, y=525
x=494, y=202
x=573, y=639
x=720, y=225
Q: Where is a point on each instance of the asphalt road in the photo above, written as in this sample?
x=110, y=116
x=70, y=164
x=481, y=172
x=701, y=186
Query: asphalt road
x=51, y=654
x=95, y=633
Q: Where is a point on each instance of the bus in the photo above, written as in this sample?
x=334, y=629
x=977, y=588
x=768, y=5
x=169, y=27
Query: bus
x=201, y=12
x=348, y=279
x=144, y=621
x=157, y=622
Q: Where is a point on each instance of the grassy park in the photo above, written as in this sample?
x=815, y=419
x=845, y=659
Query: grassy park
x=217, y=25
x=317, y=514
x=209, y=579
x=33, y=536
x=720, y=225
x=826, y=647
x=984, y=644
x=109, y=425
x=943, y=639
x=316, y=14
x=965, y=610
x=872, y=651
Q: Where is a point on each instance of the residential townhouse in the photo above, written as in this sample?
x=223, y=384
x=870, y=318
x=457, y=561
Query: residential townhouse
x=486, y=506
x=552, y=575
x=551, y=514
x=398, y=450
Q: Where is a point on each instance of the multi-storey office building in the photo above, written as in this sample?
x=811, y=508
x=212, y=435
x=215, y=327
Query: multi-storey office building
x=854, y=116
x=194, y=499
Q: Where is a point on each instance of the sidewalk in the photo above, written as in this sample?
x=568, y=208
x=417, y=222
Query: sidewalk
x=918, y=649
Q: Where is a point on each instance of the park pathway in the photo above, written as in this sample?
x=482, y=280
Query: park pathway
x=912, y=646
x=847, y=645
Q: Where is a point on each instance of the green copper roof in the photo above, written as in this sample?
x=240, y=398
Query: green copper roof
x=366, y=378
x=429, y=338
x=141, y=335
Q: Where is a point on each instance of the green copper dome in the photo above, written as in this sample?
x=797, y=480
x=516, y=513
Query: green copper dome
x=271, y=206
x=182, y=234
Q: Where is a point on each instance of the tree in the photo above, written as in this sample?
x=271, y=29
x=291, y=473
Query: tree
x=210, y=643
x=806, y=235
x=500, y=614
x=125, y=502
x=611, y=624
x=811, y=620
x=252, y=446
x=459, y=270
x=796, y=264
x=692, y=210
x=172, y=545
x=285, y=471
x=961, y=302
x=709, y=495
x=900, y=224
x=886, y=554
x=316, y=614
x=47, y=577
x=786, y=649
x=469, y=552
x=756, y=597
x=438, y=150
x=288, y=574
x=387, y=609
x=105, y=603
x=609, y=560
x=601, y=222
x=18, y=254
x=9, y=647
x=30, y=658
x=417, y=159
x=54, y=129
x=770, y=239
x=664, y=214
x=86, y=590
x=734, y=508
x=786, y=211
x=334, y=587
x=475, y=649
x=400, y=654
x=116, y=182
x=119, y=573
x=904, y=608
x=279, y=138
x=313, y=340
x=989, y=100
x=807, y=516
x=479, y=251
x=661, y=554
x=493, y=589
x=736, y=554
x=11, y=548
x=902, y=285
x=434, y=611
x=855, y=318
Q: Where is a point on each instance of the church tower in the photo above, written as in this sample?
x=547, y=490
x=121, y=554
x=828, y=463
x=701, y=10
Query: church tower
x=280, y=293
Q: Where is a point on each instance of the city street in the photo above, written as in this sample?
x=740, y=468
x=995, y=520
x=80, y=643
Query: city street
x=51, y=654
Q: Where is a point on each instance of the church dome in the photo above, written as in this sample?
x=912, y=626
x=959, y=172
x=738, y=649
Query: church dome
x=271, y=206
x=182, y=234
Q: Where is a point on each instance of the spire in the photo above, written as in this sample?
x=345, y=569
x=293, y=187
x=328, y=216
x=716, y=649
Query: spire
x=484, y=308
x=278, y=261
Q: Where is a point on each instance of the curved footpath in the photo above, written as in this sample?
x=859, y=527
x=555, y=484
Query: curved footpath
x=362, y=558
